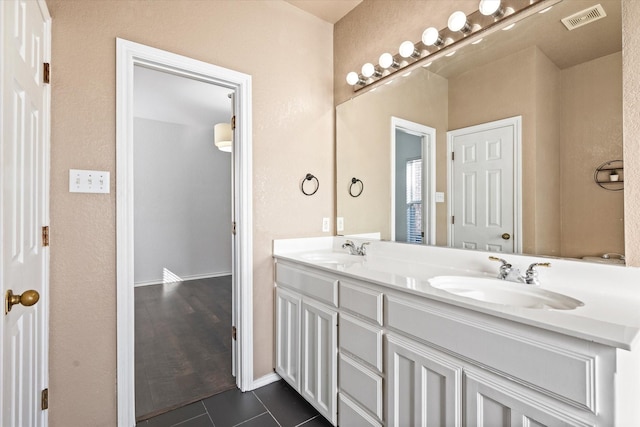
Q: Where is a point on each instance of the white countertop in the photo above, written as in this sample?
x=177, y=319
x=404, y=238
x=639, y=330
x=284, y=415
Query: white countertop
x=610, y=293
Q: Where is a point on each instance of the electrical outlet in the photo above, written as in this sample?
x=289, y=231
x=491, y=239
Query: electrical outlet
x=82, y=181
x=325, y=224
x=340, y=223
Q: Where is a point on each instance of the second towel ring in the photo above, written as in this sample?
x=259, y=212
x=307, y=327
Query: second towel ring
x=309, y=177
x=354, y=181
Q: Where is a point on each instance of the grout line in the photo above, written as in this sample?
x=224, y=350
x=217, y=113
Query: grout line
x=265, y=407
x=307, y=421
x=206, y=411
x=184, y=421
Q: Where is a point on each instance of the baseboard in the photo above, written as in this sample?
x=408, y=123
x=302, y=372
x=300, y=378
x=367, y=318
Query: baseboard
x=265, y=380
x=184, y=278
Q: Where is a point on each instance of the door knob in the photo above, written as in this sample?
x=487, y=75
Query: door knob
x=506, y=236
x=28, y=298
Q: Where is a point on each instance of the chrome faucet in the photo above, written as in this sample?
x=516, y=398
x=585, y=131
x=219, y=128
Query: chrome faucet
x=508, y=272
x=355, y=250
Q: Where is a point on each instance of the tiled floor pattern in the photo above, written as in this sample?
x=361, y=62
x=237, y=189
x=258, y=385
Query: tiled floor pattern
x=273, y=405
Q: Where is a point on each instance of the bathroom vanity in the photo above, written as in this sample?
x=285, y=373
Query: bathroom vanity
x=378, y=340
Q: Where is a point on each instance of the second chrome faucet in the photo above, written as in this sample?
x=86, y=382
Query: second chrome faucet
x=356, y=250
x=508, y=272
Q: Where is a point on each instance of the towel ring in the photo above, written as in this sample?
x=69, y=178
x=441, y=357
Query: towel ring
x=354, y=181
x=309, y=177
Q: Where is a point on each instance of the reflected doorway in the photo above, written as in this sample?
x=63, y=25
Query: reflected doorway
x=412, y=182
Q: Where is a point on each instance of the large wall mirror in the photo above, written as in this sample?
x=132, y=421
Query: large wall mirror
x=544, y=100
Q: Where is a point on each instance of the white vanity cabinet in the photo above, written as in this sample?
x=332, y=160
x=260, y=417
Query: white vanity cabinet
x=366, y=354
x=307, y=335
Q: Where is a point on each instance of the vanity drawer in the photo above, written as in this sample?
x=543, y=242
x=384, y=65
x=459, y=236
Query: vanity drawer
x=318, y=286
x=361, y=340
x=361, y=301
x=350, y=414
x=557, y=364
x=362, y=384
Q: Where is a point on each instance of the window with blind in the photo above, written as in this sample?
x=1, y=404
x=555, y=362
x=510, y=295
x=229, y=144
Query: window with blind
x=414, y=201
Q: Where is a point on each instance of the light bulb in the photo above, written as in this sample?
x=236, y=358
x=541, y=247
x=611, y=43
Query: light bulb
x=353, y=78
x=458, y=22
x=386, y=60
x=431, y=37
x=407, y=50
x=368, y=70
x=491, y=8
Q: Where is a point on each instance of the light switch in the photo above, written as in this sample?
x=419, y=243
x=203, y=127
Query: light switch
x=340, y=223
x=325, y=224
x=439, y=197
x=83, y=181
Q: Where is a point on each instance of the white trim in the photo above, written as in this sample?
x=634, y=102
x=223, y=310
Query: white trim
x=428, y=135
x=184, y=278
x=516, y=124
x=265, y=380
x=128, y=55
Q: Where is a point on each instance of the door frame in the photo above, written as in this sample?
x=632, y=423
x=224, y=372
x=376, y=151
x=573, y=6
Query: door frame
x=516, y=124
x=128, y=55
x=428, y=136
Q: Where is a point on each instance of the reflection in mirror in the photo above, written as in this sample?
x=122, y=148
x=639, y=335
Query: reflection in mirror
x=566, y=86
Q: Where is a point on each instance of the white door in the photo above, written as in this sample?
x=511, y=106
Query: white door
x=484, y=187
x=24, y=261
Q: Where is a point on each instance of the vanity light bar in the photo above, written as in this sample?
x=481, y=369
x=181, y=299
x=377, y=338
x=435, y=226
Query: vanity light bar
x=461, y=30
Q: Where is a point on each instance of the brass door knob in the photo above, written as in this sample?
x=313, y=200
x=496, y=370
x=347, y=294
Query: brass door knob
x=506, y=236
x=28, y=298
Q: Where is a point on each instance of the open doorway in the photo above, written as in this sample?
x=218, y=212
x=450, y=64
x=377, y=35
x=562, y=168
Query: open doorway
x=182, y=241
x=129, y=56
x=412, y=182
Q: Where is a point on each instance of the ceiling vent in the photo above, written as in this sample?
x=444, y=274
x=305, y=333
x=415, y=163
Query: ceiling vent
x=584, y=17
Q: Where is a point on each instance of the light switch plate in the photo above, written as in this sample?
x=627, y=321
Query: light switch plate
x=84, y=181
x=340, y=223
x=439, y=197
x=325, y=224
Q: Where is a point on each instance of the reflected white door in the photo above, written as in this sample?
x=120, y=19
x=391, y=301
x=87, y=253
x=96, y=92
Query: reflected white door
x=24, y=261
x=484, y=189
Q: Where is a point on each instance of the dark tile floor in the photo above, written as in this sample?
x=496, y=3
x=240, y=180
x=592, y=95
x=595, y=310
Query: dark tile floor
x=275, y=405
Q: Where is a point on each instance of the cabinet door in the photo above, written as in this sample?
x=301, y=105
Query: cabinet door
x=423, y=386
x=319, y=358
x=495, y=401
x=288, y=306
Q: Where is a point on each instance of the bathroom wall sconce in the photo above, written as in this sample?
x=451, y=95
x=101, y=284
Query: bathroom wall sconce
x=387, y=60
x=462, y=30
x=431, y=37
x=369, y=70
x=492, y=8
x=408, y=50
x=458, y=22
x=223, y=137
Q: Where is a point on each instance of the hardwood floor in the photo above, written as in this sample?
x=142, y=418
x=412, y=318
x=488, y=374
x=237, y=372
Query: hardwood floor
x=183, y=343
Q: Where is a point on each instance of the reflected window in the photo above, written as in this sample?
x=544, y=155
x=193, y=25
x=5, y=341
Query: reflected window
x=414, y=201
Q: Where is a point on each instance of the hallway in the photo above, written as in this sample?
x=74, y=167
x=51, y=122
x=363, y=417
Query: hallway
x=183, y=343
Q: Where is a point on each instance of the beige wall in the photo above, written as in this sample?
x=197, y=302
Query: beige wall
x=592, y=218
x=631, y=127
x=289, y=55
x=363, y=126
x=373, y=28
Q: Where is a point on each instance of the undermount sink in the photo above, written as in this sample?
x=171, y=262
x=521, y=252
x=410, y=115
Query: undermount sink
x=332, y=258
x=503, y=292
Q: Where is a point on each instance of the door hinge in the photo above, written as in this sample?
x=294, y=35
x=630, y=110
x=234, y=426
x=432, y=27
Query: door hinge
x=233, y=123
x=233, y=228
x=453, y=155
x=453, y=219
x=234, y=333
x=46, y=73
x=44, y=402
x=45, y=236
